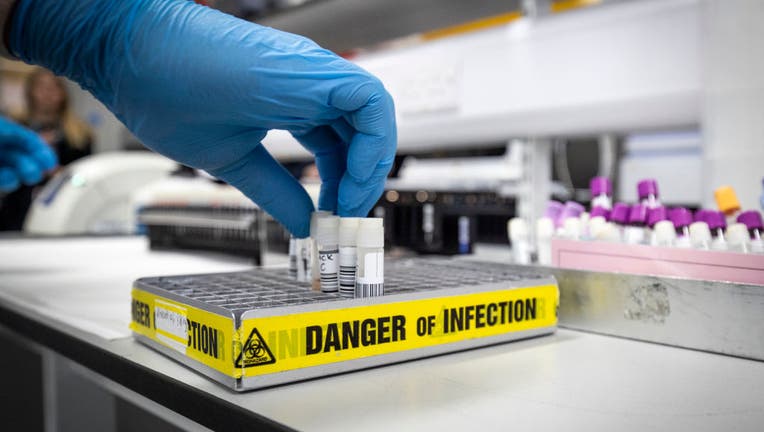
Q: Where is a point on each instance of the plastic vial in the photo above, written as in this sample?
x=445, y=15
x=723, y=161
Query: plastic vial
x=370, y=264
x=553, y=210
x=634, y=232
x=654, y=216
x=544, y=233
x=681, y=218
x=314, y=273
x=752, y=220
x=664, y=234
x=602, y=191
x=571, y=210
x=700, y=235
x=303, y=248
x=738, y=238
x=717, y=224
x=620, y=216
x=594, y=231
x=347, y=235
x=327, y=243
x=726, y=200
x=571, y=228
x=647, y=190
x=519, y=239
x=292, y=257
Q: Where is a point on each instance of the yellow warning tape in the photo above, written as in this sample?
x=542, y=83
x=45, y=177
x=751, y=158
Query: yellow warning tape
x=203, y=336
x=281, y=343
x=288, y=342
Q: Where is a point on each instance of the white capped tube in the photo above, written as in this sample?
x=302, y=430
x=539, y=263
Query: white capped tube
x=370, y=263
x=302, y=248
x=292, y=257
x=519, y=239
x=544, y=232
x=327, y=243
x=348, y=231
x=314, y=273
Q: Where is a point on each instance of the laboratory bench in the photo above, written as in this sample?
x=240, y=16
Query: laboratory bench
x=66, y=302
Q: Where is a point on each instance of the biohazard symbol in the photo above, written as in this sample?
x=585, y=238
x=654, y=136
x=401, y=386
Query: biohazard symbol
x=254, y=352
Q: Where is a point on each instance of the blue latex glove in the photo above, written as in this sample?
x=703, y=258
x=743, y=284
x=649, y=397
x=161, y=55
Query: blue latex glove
x=24, y=156
x=203, y=88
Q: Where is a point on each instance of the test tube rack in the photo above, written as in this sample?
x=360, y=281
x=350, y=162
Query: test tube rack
x=259, y=328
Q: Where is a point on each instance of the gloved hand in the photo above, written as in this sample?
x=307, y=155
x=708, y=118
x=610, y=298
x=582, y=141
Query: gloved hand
x=203, y=88
x=24, y=156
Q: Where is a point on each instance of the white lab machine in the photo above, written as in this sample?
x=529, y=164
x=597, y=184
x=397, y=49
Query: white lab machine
x=93, y=194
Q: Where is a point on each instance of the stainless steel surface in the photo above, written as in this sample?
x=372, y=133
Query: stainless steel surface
x=720, y=317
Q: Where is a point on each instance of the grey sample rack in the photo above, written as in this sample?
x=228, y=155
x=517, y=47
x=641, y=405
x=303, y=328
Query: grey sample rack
x=260, y=328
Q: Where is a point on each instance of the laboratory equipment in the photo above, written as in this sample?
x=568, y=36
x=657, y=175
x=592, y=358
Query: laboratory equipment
x=93, y=194
x=259, y=328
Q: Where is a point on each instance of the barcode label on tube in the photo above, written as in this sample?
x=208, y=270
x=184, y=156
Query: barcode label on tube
x=328, y=270
x=369, y=289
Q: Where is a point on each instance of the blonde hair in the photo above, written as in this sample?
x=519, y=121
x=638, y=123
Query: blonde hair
x=76, y=131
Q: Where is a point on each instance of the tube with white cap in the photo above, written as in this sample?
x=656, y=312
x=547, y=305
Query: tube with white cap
x=347, y=234
x=519, y=241
x=313, y=267
x=327, y=243
x=370, y=264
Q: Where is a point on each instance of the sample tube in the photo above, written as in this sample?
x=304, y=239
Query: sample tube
x=370, y=264
x=752, y=220
x=327, y=243
x=314, y=271
x=571, y=210
x=553, y=210
x=717, y=224
x=602, y=191
x=518, y=237
x=292, y=257
x=598, y=219
x=654, y=216
x=726, y=200
x=664, y=234
x=348, y=233
x=738, y=239
x=544, y=233
x=682, y=218
x=647, y=190
x=634, y=232
x=700, y=235
x=620, y=216
x=302, y=248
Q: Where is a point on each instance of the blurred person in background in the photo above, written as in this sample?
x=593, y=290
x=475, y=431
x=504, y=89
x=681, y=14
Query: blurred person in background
x=48, y=114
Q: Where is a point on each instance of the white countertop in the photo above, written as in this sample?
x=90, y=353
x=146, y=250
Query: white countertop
x=570, y=380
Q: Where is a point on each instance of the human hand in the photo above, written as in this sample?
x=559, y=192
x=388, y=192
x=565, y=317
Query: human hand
x=24, y=157
x=203, y=88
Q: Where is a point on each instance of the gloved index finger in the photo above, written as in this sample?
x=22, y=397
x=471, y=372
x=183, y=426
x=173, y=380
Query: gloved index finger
x=371, y=113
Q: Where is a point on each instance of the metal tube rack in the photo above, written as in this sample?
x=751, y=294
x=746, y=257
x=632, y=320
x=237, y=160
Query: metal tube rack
x=259, y=328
